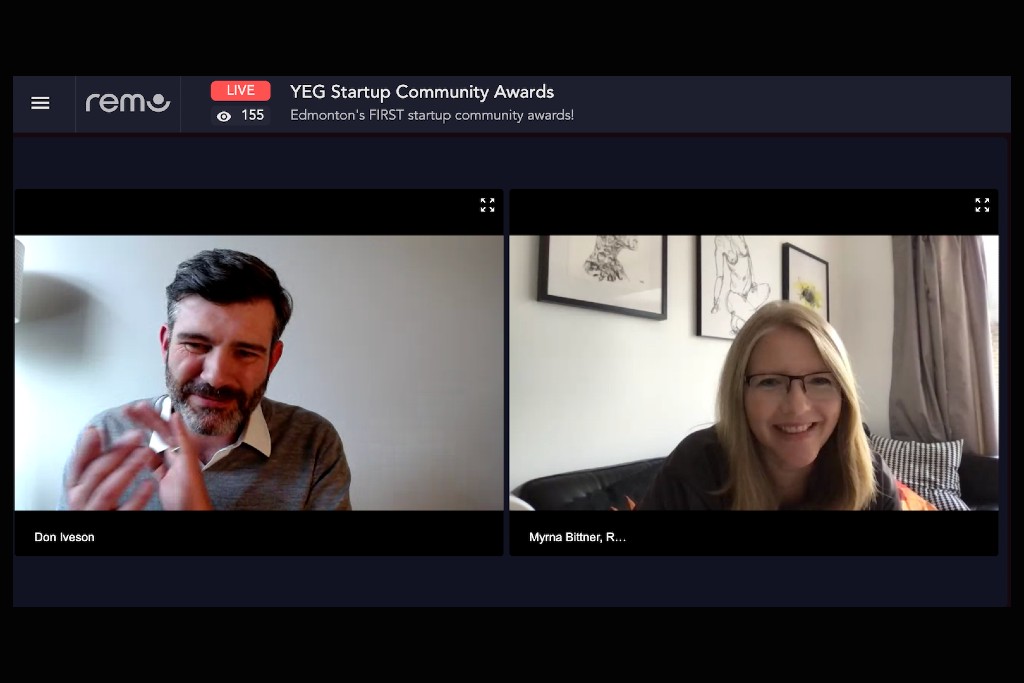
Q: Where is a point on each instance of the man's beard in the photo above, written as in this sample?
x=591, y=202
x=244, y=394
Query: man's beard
x=212, y=421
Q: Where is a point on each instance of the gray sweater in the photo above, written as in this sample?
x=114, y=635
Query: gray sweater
x=306, y=468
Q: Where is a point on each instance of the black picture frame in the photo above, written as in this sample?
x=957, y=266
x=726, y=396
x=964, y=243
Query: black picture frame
x=805, y=279
x=754, y=256
x=603, y=282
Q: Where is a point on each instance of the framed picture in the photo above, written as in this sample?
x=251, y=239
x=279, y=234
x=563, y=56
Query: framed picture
x=616, y=273
x=736, y=275
x=805, y=279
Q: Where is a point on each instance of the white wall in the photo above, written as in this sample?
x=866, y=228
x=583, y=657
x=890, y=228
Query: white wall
x=863, y=305
x=399, y=341
x=589, y=388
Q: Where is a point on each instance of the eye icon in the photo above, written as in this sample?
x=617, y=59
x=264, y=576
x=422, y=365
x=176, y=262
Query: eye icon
x=223, y=117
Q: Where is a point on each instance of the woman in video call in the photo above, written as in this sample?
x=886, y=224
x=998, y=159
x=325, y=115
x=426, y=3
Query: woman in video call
x=789, y=432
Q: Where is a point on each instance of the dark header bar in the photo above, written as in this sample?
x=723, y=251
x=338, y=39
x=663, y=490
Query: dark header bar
x=310, y=105
x=765, y=212
x=246, y=212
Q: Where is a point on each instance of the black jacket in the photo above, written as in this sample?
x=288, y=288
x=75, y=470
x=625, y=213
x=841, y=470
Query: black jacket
x=698, y=467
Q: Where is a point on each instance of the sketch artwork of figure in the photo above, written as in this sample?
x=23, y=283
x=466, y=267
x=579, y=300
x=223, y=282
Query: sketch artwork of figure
x=744, y=296
x=604, y=262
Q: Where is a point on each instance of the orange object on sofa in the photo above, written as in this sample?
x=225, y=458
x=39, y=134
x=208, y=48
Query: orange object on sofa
x=909, y=499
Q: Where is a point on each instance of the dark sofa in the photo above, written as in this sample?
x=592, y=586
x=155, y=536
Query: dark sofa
x=605, y=488
x=979, y=481
x=600, y=488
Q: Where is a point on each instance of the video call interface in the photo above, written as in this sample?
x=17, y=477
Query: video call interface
x=465, y=398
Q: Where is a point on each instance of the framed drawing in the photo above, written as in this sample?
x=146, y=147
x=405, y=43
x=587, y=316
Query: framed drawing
x=805, y=279
x=736, y=275
x=616, y=273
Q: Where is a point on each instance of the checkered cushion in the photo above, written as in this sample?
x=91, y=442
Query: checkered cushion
x=930, y=469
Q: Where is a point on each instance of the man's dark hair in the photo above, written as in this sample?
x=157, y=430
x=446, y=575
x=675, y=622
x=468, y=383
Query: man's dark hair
x=224, y=276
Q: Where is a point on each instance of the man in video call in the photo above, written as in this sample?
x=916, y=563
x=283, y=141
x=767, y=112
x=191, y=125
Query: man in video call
x=213, y=442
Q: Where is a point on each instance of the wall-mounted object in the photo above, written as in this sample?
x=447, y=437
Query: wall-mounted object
x=735, y=276
x=805, y=279
x=616, y=273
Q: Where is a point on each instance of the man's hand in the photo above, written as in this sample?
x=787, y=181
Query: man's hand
x=180, y=475
x=97, y=479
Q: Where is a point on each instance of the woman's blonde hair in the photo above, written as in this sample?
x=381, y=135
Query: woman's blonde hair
x=843, y=474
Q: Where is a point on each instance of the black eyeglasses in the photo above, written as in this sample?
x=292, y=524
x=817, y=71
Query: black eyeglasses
x=817, y=385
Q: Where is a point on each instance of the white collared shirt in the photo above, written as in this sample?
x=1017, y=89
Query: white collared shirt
x=256, y=434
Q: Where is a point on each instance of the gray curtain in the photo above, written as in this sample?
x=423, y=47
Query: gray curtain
x=942, y=377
